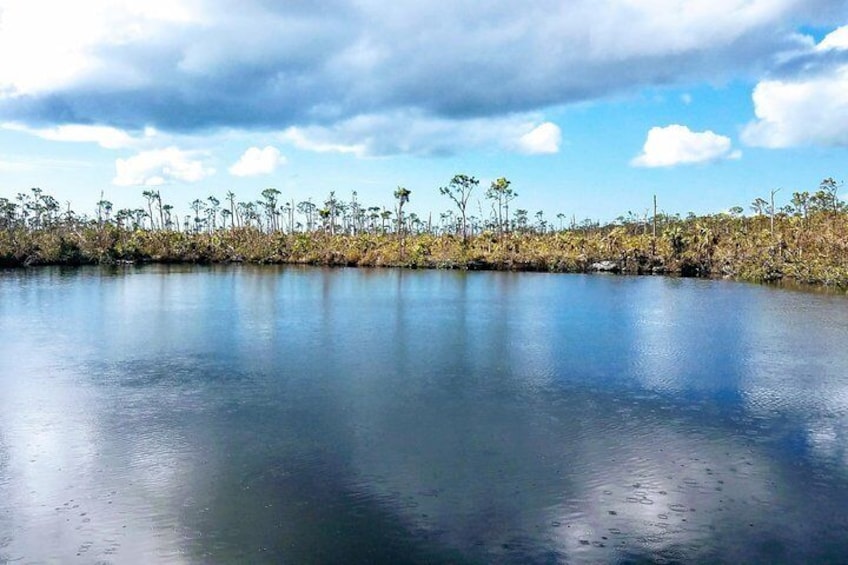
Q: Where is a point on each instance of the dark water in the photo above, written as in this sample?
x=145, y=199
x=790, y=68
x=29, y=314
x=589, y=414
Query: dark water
x=246, y=414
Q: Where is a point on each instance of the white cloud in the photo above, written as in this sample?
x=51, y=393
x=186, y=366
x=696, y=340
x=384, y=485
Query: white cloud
x=257, y=161
x=58, y=43
x=544, y=138
x=676, y=145
x=837, y=39
x=810, y=109
x=317, y=140
x=161, y=166
x=105, y=136
x=195, y=66
x=418, y=134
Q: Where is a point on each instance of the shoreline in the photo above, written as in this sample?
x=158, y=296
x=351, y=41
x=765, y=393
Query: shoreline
x=603, y=250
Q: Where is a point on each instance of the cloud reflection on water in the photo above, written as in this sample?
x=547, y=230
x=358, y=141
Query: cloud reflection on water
x=299, y=412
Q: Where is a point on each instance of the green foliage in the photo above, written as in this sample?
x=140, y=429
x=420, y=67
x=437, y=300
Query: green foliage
x=806, y=242
x=459, y=190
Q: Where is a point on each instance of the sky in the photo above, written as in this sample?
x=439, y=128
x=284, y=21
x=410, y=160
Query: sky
x=588, y=107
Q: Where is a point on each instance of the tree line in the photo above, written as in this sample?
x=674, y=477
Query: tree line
x=271, y=212
x=805, y=239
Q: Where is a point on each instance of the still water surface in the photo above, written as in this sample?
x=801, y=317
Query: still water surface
x=249, y=414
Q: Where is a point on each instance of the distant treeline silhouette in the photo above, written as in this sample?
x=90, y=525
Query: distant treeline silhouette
x=805, y=240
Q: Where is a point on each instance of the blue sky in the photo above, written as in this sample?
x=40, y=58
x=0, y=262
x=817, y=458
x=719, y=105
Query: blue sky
x=589, y=107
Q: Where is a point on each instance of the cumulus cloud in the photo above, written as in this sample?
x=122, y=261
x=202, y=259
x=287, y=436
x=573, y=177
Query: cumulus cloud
x=161, y=166
x=257, y=161
x=200, y=64
x=321, y=70
x=544, y=138
x=677, y=145
x=808, y=107
x=418, y=134
x=59, y=43
x=837, y=39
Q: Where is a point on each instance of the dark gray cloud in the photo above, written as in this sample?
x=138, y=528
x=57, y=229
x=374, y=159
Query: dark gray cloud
x=270, y=65
x=808, y=64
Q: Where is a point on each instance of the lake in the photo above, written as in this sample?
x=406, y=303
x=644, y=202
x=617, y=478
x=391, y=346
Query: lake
x=188, y=414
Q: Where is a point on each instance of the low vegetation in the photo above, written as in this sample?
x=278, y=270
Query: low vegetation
x=805, y=241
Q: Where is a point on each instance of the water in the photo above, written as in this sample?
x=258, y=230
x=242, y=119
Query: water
x=249, y=414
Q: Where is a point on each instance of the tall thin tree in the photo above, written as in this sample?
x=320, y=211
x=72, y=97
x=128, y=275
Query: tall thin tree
x=459, y=190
